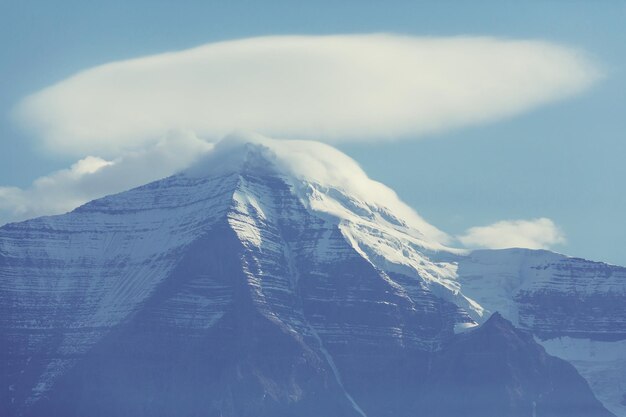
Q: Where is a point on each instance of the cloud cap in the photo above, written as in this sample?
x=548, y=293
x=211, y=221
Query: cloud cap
x=330, y=88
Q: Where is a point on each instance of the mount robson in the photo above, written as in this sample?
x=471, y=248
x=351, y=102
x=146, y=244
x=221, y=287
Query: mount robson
x=274, y=278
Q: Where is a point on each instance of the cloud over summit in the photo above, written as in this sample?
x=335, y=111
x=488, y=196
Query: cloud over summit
x=329, y=88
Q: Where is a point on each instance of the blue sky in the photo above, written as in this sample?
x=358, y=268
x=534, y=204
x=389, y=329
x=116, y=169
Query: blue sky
x=563, y=160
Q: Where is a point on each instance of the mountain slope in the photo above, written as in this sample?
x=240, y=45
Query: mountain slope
x=499, y=370
x=274, y=278
x=576, y=309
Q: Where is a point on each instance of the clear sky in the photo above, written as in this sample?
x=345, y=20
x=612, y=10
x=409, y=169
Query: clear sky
x=564, y=161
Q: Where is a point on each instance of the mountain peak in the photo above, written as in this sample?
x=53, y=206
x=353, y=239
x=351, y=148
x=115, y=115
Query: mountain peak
x=500, y=331
x=236, y=153
x=496, y=319
x=327, y=180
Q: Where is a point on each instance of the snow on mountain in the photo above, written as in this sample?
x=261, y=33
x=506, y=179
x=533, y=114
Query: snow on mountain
x=325, y=179
x=87, y=271
x=265, y=249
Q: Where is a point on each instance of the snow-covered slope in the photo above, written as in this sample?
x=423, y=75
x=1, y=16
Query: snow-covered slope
x=66, y=280
x=272, y=277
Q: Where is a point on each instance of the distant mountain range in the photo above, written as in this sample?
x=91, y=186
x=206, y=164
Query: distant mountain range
x=275, y=279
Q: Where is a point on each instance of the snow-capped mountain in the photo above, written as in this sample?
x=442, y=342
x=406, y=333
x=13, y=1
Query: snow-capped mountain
x=275, y=278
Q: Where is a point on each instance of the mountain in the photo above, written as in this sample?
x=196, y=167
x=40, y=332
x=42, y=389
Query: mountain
x=276, y=279
x=575, y=308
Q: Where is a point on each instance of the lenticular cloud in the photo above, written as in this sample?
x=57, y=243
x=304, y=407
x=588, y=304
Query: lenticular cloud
x=330, y=88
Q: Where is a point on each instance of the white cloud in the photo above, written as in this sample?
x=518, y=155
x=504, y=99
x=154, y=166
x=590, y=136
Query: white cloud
x=94, y=177
x=539, y=233
x=330, y=88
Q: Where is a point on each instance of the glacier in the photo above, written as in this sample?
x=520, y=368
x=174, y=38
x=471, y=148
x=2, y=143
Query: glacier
x=299, y=282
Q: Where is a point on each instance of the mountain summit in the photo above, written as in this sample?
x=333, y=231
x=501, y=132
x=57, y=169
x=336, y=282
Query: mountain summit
x=274, y=278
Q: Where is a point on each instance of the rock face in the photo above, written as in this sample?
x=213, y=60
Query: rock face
x=249, y=287
x=499, y=370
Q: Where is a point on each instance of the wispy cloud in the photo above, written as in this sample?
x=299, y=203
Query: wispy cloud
x=93, y=177
x=539, y=233
x=329, y=88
